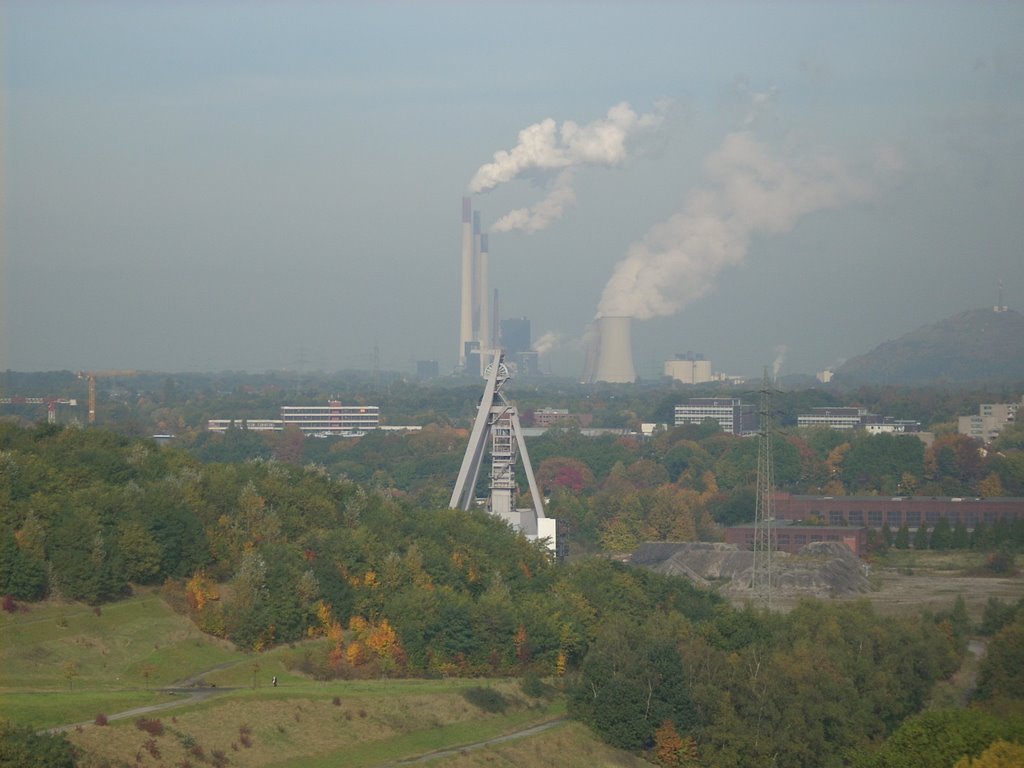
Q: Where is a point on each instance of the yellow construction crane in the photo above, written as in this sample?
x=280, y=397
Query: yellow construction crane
x=91, y=376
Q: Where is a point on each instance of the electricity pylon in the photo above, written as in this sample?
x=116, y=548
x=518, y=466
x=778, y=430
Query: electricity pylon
x=764, y=518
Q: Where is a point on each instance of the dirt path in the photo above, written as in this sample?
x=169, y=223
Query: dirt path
x=192, y=690
x=525, y=732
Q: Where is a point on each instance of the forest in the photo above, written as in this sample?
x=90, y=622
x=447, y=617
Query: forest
x=367, y=581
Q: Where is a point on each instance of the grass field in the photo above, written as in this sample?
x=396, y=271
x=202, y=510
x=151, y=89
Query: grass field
x=320, y=724
x=64, y=662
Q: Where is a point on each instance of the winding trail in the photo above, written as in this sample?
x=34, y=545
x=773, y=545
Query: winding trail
x=449, y=751
x=192, y=690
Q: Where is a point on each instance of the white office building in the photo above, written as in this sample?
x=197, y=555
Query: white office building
x=733, y=416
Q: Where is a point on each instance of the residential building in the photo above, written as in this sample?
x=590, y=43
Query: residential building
x=548, y=417
x=989, y=421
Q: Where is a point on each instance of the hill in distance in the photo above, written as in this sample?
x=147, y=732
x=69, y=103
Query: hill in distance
x=977, y=346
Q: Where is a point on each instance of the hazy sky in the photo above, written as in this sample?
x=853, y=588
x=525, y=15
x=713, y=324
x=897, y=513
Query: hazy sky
x=263, y=185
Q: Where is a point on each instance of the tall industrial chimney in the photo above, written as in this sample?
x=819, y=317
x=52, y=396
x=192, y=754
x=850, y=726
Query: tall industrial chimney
x=484, y=294
x=475, y=290
x=466, y=316
x=614, y=351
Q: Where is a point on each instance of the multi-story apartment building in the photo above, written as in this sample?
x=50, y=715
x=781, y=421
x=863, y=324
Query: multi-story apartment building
x=989, y=421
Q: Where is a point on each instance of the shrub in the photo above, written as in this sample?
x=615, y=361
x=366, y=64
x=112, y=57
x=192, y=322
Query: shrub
x=218, y=759
x=9, y=604
x=101, y=719
x=533, y=686
x=487, y=699
x=151, y=726
x=336, y=701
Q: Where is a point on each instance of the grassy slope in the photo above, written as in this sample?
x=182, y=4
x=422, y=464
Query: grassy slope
x=130, y=649
x=118, y=658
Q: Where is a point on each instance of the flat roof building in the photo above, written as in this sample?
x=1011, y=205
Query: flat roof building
x=316, y=420
x=989, y=421
x=733, y=416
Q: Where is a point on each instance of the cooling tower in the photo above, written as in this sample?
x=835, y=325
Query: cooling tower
x=614, y=351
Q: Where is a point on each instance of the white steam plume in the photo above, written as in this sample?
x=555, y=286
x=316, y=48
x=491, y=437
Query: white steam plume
x=545, y=147
x=780, y=358
x=544, y=213
x=749, y=191
x=547, y=342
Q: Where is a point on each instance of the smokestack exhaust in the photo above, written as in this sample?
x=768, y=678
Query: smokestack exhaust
x=614, y=360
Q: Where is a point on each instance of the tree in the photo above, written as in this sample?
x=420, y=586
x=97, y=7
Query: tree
x=1000, y=754
x=559, y=472
x=630, y=683
x=941, y=737
x=1001, y=672
x=22, y=747
x=942, y=536
x=902, y=539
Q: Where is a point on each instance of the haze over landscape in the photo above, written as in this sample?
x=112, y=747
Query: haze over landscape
x=213, y=186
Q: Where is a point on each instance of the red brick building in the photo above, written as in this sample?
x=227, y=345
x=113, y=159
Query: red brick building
x=874, y=511
x=792, y=537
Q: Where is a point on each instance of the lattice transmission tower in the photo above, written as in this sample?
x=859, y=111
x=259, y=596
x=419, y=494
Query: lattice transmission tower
x=764, y=517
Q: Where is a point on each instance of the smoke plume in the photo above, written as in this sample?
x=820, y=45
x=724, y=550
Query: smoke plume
x=544, y=213
x=748, y=191
x=780, y=358
x=547, y=342
x=545, y=147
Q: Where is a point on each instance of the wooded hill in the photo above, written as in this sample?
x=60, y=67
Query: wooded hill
x=975, y=346
x=264, y=553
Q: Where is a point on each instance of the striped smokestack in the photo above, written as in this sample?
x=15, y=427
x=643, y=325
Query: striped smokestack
x=466, y=316
x=483, y=293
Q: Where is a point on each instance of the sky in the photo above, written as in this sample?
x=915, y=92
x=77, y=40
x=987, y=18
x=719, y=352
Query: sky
x=209, y=186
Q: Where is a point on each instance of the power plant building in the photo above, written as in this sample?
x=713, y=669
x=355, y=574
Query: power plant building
x=689, y=369
x=515, y=336
x=733, y=416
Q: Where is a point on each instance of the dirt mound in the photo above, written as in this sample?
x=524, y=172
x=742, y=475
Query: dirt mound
x=822, y=569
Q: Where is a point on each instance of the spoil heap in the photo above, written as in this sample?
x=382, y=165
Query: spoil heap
x=822, y=569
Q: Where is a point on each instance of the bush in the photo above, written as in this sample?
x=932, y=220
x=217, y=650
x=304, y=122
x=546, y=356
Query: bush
x=487, y=699
x=152, y=727
x=101, y=719
x=533, y=686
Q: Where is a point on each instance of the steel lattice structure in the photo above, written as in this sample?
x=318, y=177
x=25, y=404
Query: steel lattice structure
x=497, y=423
x=764, y=518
